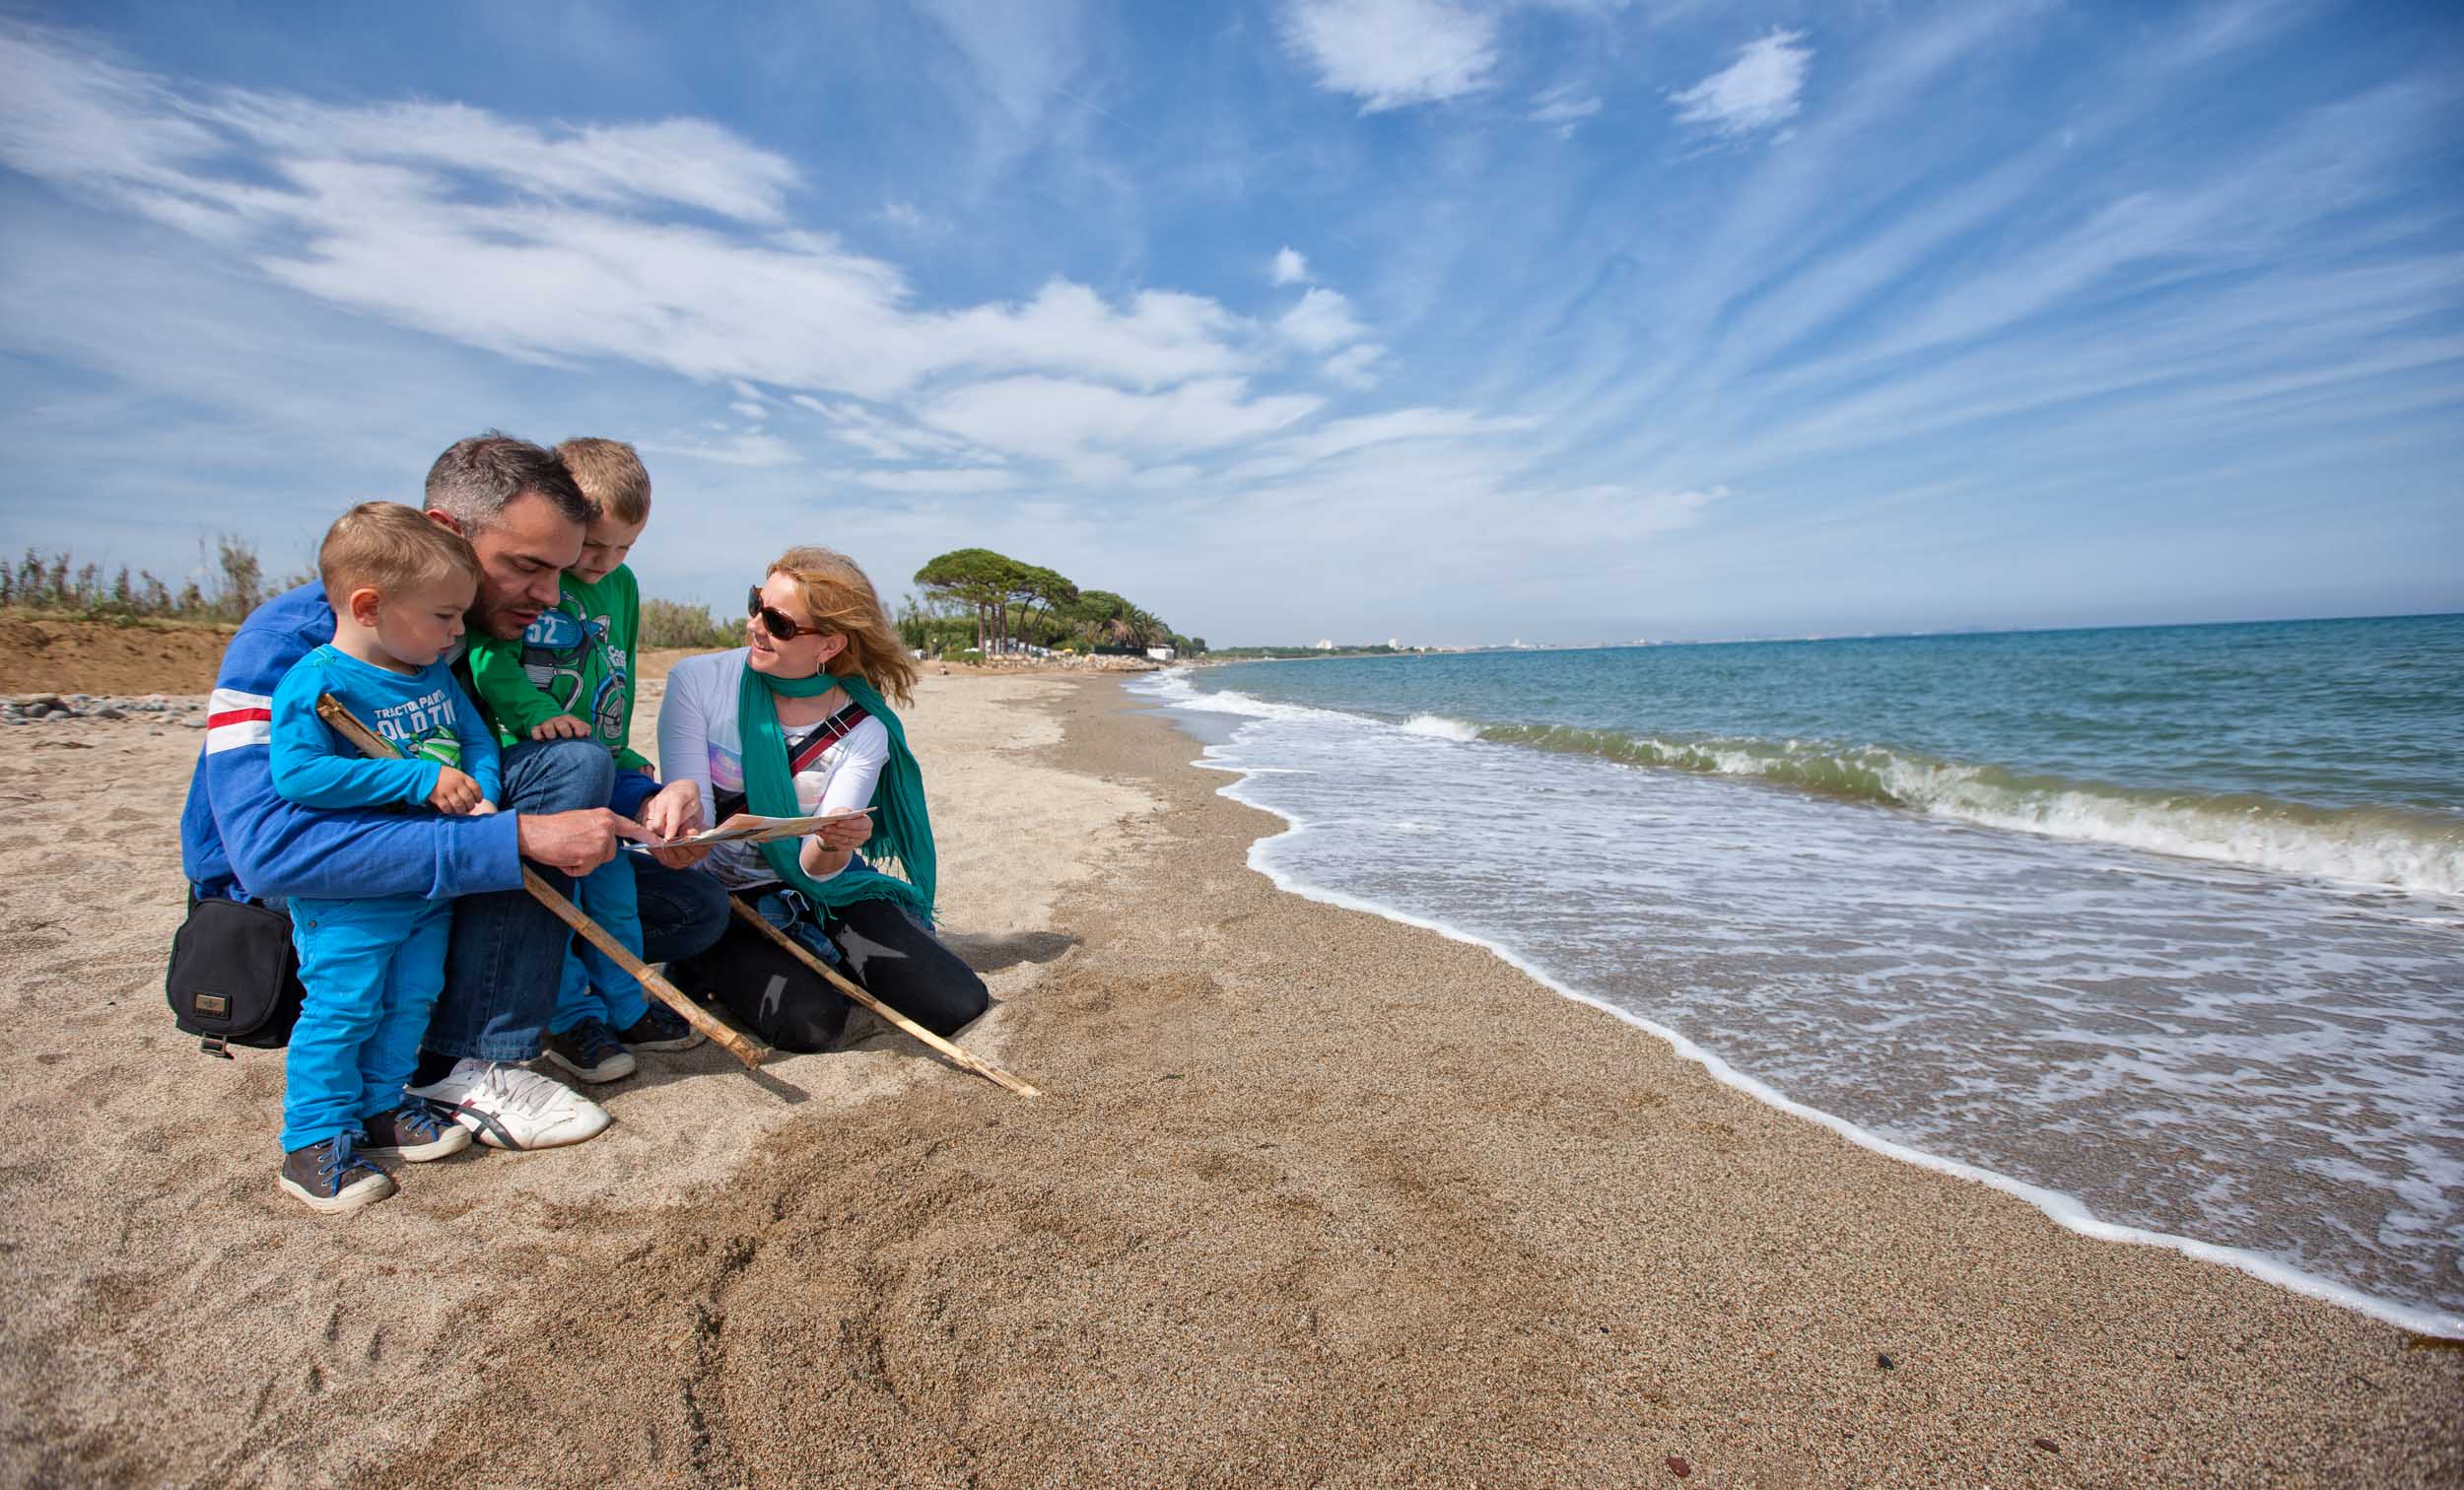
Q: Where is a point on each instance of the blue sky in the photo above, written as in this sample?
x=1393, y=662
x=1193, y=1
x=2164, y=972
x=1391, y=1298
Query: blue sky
x=1451, y=320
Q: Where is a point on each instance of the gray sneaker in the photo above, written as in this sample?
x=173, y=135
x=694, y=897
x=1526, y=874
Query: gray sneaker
x=330, y=1176
x=591, y=1050
x=414, y=1133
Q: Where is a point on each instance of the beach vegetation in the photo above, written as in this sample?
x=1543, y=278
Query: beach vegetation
x=668, y=625
x=1006, y=605
x=230, y=581
x=221, y=589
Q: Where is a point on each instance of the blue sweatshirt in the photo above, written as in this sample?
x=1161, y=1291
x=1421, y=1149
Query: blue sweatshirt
x=425, y=714
x=238, y=839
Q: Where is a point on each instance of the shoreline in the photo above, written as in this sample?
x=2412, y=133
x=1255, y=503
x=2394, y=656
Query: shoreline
x=1315, y=1195
x=2059, y=1207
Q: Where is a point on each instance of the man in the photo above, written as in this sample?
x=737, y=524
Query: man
x=525, y=517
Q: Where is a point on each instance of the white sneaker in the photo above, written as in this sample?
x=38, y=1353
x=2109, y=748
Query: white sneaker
x=511, y=1108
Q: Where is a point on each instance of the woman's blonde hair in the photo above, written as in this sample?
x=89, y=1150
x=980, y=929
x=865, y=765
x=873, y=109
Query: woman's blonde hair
x=839, y=598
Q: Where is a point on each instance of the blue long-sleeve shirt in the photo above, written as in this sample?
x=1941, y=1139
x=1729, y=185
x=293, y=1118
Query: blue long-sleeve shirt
x=425, y=714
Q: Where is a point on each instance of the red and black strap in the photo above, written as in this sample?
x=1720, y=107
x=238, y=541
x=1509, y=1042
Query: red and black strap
x=827, y=734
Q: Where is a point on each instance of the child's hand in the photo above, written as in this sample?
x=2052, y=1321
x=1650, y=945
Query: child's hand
x=562, y=727
x=454, y=793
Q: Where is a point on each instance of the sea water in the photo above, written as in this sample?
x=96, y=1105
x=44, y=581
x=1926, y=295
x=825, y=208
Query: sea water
x=2160, y=928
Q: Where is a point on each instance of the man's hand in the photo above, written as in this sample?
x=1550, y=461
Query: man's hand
x=562, y=727
x=454, y=793
x=675, y=812
x=575, y=843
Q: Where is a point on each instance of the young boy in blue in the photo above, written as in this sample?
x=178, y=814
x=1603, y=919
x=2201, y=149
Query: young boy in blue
x=374, y=968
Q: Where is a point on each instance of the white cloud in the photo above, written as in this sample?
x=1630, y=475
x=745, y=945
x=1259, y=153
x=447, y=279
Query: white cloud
x=692, y=163
x=1292, y=453
x=747, y=391
x=905, y=216
x=1350, y=367
x=747, y=449
x=1290, y=268
x=1389, y=53
x=752, y=411
x=1021, y=54
x=878, y=434
x=1758, y=90
x=1564, y=106
x=951, y=480
x=520, y=242
x=1321, y=323
x=1064, y=419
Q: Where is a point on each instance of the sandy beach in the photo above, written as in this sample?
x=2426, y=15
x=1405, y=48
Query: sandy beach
x=1313, y=1198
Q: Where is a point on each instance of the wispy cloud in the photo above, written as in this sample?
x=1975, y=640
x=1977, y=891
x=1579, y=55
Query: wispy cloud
x=1563, y=108
x=1390, y=54
x=1758, y=91
x=1289, y=267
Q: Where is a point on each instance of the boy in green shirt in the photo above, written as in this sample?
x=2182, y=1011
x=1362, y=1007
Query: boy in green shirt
x=570, y=677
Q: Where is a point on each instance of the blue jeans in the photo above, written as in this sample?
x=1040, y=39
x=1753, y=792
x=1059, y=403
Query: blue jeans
x=372, y=969
x=507, y=958
x=593, y=987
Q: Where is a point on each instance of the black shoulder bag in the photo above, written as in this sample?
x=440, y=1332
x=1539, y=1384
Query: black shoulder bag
x=234, y=977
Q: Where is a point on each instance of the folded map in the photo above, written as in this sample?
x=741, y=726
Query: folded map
x=748, y=828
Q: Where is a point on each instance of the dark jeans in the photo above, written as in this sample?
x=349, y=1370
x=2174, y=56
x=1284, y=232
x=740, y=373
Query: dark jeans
x=872, y=942
x=508, y=951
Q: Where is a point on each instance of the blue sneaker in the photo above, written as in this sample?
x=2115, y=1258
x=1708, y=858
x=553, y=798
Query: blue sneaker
x=330, y=1176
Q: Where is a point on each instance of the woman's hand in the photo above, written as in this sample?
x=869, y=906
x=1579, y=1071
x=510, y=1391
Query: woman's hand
x=675, y=812
x=846, y=832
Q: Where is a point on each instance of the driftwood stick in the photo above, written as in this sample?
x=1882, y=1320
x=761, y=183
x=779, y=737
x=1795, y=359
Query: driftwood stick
x=370, y=743
x=958, y=1057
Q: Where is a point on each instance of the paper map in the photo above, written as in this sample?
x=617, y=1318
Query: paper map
x=747, y=828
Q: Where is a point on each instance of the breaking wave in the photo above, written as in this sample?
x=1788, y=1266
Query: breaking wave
x=2415, y=851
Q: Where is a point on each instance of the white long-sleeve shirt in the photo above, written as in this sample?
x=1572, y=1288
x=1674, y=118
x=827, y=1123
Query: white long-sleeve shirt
x=698, y=739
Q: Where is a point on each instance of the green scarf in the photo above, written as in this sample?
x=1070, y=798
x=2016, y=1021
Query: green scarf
x=902, y=831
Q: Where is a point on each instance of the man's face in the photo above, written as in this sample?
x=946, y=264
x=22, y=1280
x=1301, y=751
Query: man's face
x=521, y=555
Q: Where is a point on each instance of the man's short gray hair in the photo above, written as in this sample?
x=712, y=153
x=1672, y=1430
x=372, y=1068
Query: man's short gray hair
x=475, y=480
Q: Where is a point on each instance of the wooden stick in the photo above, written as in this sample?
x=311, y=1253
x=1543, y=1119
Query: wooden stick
x=957, y=1057
x=370, y=743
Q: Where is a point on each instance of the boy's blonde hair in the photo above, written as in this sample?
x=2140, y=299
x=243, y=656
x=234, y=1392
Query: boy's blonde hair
x=841, y=599
x=610, y=474
x=389, y=548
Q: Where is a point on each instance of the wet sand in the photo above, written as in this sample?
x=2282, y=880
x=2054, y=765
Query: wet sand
x=1314, y=1197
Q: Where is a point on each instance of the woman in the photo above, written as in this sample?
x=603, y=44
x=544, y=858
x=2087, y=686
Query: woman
x=795, y=724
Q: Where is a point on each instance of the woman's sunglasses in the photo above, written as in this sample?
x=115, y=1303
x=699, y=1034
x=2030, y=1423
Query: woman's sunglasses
x=781, y=629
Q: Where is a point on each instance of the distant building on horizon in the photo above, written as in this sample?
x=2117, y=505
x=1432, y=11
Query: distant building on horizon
x=1324, y=645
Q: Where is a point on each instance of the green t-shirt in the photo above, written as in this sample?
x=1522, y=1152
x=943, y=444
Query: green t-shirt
x=576, y=659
